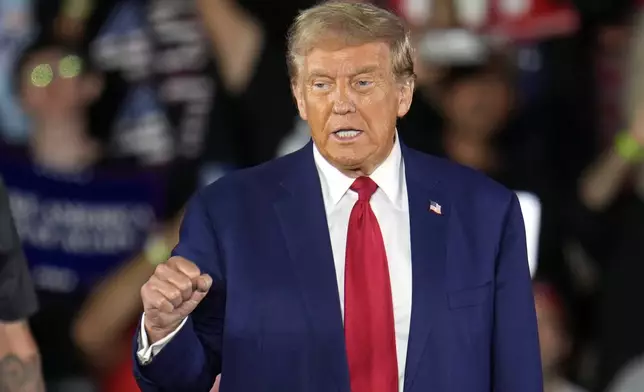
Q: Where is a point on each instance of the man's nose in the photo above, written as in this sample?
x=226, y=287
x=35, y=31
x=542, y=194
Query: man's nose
x=342, y=100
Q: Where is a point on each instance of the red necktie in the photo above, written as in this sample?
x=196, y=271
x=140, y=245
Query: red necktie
x=368, y=308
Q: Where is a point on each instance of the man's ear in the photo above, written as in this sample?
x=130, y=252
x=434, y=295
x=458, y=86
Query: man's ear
x=298, y=94
x=405, y=96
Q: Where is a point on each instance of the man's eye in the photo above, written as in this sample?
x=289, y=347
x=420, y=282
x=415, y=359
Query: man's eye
x=319, y=85
x=364, y=83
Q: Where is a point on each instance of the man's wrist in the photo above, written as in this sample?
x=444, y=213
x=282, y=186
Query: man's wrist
x=155, y=334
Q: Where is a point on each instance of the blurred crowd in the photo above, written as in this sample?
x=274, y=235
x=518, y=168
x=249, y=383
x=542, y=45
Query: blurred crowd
x=113, y=112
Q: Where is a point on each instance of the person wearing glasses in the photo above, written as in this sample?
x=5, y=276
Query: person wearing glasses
x=82, y=214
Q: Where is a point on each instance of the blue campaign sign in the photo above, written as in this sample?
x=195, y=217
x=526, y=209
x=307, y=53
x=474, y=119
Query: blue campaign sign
x=122, y=46
x=76, y=229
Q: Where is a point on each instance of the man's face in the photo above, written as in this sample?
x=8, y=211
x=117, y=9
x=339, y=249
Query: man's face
x=53, y=85
x=478, y=106
x=351, y=100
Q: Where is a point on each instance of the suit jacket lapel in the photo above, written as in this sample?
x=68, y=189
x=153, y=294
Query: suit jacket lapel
x=428, y=251
x=303, y=220
x=301, y=212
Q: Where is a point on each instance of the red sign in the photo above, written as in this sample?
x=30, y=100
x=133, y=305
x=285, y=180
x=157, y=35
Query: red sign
x=532, y=19
x=514, y=19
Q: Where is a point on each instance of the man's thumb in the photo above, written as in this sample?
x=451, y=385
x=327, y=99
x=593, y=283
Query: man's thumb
x=187, y=307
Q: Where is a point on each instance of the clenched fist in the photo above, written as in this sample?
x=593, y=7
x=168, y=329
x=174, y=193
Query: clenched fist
x=171, y=294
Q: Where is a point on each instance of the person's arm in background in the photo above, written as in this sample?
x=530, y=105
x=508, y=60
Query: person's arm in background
x=19, y=357
x=516, y=355
x=253, y=71
x=602, y=182
x=604, y=179
x=441, y=17
x=237, y=40
x=70, y=24
x=115, y=304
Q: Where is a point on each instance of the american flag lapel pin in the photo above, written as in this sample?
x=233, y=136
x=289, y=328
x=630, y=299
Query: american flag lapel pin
x=435, y=207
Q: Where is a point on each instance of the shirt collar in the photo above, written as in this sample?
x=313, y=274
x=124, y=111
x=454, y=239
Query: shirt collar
x=389, y=177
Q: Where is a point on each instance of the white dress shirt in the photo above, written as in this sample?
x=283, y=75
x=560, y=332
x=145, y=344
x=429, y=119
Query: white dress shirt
x=390, y=205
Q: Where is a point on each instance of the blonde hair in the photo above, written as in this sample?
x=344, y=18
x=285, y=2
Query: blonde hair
x=357, y=23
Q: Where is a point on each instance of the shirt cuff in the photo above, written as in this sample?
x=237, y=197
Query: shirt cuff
x=145, y=351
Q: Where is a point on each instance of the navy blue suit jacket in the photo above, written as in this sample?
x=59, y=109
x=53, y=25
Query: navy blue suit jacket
x=271, y=322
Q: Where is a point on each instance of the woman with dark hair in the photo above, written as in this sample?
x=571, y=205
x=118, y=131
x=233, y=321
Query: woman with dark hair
x=470, y=118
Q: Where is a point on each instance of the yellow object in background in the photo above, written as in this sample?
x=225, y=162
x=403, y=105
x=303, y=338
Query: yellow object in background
x=628, y=148
x=70, y=66
x=77, y=9
x=42, y=75
x=157, y=250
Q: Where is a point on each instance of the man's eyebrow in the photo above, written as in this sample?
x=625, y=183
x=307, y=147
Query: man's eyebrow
x=365, y=70
x=318, y=74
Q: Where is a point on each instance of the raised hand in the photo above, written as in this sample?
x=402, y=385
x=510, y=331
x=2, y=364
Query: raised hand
x=171, y=294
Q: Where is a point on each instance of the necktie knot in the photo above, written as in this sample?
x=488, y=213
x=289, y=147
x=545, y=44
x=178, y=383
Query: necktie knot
x=365, y=187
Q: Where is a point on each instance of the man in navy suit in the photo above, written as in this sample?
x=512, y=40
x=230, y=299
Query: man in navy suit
x=354, y=264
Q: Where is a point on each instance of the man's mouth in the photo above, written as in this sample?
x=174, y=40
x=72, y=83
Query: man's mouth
x=347, y=134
